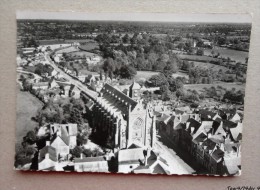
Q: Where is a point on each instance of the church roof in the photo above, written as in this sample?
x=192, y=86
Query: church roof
x=115, y=99
x=130, y=156
x=135, y=86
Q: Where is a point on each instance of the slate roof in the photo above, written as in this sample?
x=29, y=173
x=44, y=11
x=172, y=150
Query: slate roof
x=129, y=156
x=205, y=114
x=193, y=124
x=236, y=132
x=232, y=165
x=90, y=159
x=113, y=102
x=217, y=155
x=200, y=138
x=50, y=150
x=135, y=86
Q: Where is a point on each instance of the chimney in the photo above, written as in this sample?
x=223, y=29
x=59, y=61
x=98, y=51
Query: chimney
x=58, y=132
x=145, y=156
x=47, y=156
x=81, y=155
x=47, y=143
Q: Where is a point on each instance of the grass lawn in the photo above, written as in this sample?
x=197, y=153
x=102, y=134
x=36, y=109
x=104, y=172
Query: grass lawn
x=27, y=106
x=56, y=41
x=236, y=55
x=212, y=66
x=67, y=50
x=89, y=46
x=147, y=75
x=197, y=58
x=80, y=54
x=200, y=87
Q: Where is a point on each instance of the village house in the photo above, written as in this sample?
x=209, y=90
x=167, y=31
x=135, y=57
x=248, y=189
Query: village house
x=90, y=164
x=63, y=138
x=47, y=159
x=74, y=92
x=130, y=159
x=153, y=164
x=207, y=115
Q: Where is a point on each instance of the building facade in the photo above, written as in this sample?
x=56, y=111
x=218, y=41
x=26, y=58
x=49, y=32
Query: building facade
x=123, y=121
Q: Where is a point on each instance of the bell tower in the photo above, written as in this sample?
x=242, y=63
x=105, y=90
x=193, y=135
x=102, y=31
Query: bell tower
x=135, y=91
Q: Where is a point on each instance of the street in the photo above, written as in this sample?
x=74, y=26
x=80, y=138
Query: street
x=176, y=164
x=73, y=81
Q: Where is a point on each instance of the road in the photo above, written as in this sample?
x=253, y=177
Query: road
x=176, y=164
x=92, y=94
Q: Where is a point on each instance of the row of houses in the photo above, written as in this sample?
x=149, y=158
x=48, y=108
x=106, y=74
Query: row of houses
x=53, y=89
x=212, y=139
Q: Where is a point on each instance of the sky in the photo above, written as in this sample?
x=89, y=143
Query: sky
x=156, y=17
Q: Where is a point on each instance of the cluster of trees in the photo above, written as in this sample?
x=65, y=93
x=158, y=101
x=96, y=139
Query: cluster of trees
x=234, y=96
x=145, y=52
x=198, y=75
x=30, y=42
x=78, y=150
x=237, y=43
x=117, y=68
x=41, y=69
x=169, y=86
x=66, y=112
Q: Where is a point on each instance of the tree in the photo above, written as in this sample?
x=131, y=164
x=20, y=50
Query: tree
x=179, y=83
x=109, y=67
x=186, y=65
x=140, y=62
x=170, y=68
x=83, y=133
x=127, y=71
x=180, y=93
x=200, y=52
x=30, y=137
x=167, y=95
x=76, y=152
x=24, y=155
x=126, y=39
x=157, y=80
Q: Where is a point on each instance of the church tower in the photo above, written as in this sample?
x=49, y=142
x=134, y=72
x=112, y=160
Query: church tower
x=135, y=91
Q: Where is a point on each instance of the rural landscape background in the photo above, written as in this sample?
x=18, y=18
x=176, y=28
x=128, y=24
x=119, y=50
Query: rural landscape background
x=182, y=69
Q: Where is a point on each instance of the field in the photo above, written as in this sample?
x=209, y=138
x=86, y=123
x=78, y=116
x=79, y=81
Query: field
x=67, y=50
x=200, y=87
x=197, y=58
x=89, y=46
x=214, y=67
x=56, y=41
x=80, y=54
x=238, y=56
x=27, y=106
x=145, y=75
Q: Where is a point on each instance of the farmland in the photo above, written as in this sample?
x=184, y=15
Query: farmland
x=198, y=58
x=27, y=106
x=145, y=75
x=89, y=46
x=58, y=41
x=238, y=56
x=67, y=50
x=211, y=66
x=228, y=86
x=80, y=54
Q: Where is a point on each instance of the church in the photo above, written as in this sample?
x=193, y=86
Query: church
x=122, y=120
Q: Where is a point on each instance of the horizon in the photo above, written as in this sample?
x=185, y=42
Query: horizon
x=212, y=18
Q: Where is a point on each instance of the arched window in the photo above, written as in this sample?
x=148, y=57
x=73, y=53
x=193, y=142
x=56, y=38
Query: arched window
x=137, y=129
